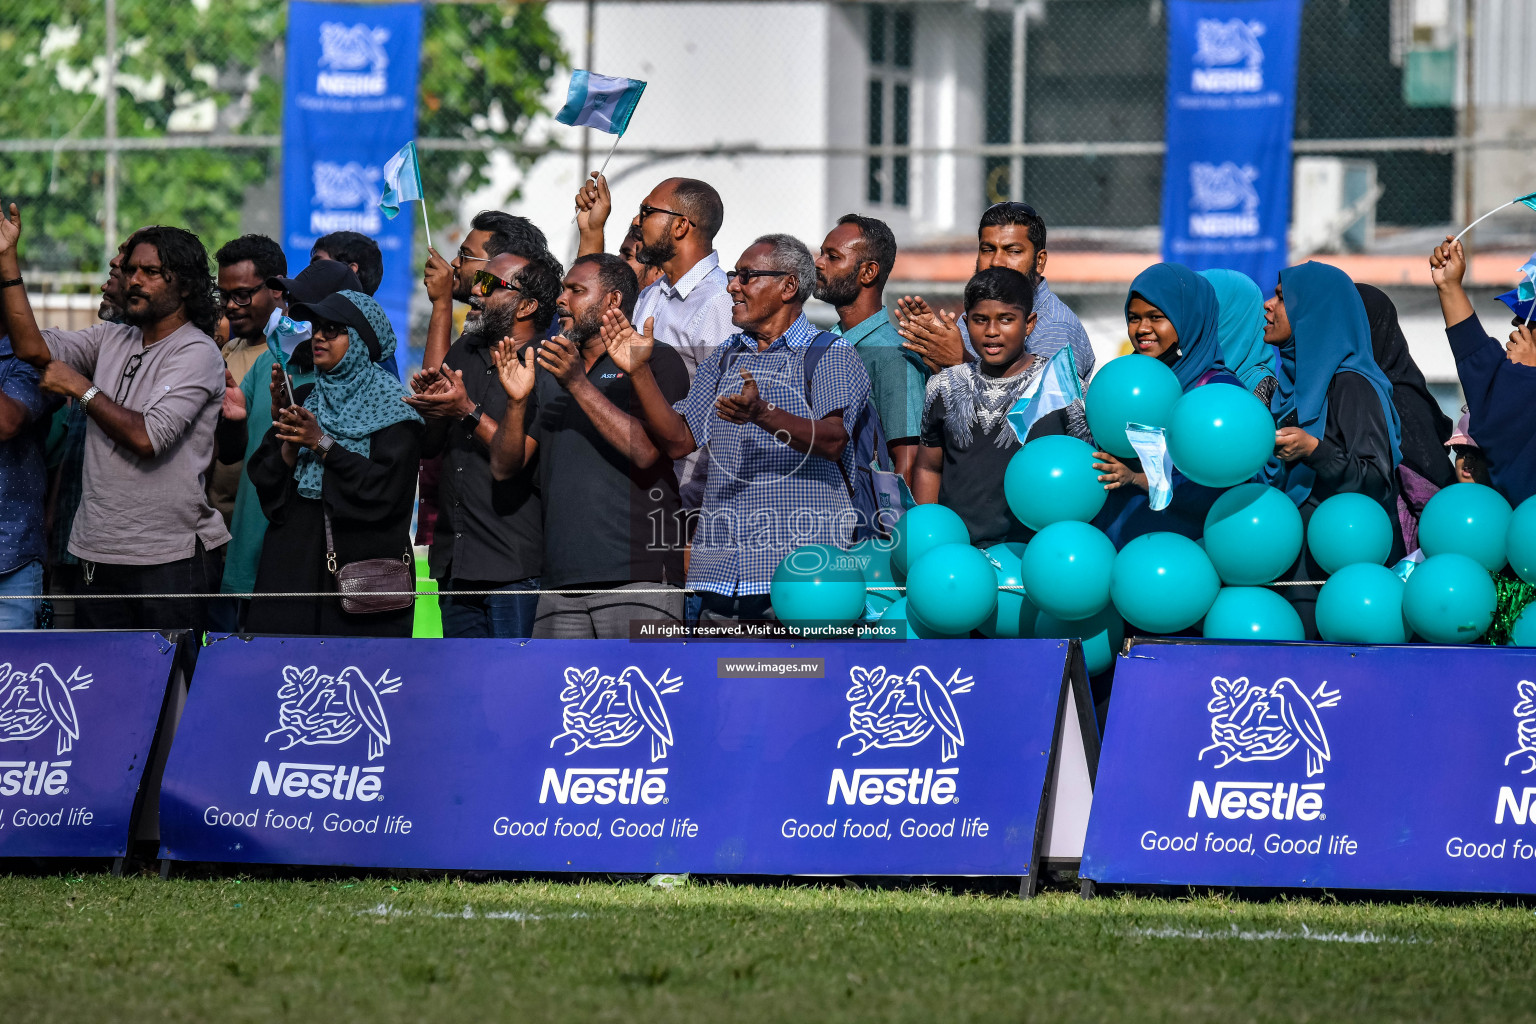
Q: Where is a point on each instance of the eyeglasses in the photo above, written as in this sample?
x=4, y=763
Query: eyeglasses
x=745, y=276
x=238, y=297
x=646, y=211
x=464, y=255
x=124, y=383
x=489, y=282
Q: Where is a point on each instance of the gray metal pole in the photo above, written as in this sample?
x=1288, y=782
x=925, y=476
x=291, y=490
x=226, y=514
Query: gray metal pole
x=1016, y=101
x=109, y=216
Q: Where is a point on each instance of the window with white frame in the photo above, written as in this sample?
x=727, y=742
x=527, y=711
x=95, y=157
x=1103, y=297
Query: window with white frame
x=889, y=102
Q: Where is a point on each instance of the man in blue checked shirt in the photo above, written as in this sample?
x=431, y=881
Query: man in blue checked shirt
x=778, y=449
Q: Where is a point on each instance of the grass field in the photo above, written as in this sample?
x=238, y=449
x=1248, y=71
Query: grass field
x=95, y=948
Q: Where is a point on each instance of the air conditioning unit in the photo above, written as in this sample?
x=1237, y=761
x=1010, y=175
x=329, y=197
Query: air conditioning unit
x=1333, y=205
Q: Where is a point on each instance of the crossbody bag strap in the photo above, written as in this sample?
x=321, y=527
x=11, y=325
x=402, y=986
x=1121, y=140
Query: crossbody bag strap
x=330, y=542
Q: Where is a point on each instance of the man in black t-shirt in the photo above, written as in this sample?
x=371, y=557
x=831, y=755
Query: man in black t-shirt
x=611, y=508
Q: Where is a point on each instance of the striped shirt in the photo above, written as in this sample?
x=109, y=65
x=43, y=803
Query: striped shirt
x=763, y=498
x=1056, y=327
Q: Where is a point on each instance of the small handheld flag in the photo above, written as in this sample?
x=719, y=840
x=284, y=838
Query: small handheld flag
x=604, y=102
x=1528, y=199
x=402, y=184
x=1056, y=388
x=1152, y=449
x=284, y=336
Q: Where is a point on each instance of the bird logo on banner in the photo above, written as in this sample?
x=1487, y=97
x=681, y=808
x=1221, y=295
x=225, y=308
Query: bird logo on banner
x=1525, y=729
x=326, y=710
x=1251, y=723
x=33, y=702
x=610, y=711
x=892, y=710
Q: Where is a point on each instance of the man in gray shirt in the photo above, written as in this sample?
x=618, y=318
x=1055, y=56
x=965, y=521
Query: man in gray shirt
x=151, y=387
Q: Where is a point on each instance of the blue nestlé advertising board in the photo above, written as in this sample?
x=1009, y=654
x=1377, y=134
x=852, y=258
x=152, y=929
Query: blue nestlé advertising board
x=77, y=718
x=926, y=757
x=1410, y=768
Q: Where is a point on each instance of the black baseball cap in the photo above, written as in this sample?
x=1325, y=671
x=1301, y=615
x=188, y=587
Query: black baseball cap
x=316, y=281
x=336, y=308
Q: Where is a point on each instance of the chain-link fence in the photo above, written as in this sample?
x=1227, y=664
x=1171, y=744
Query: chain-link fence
x=122, y=112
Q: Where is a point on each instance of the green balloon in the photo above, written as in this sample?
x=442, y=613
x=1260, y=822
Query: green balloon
x=1252, y=613
x=817, y=585
x=1101, y=636
x=1362, y=604
x=1524, y=632
x=1219, y=435
x=953, y=588
x=920, y=530
x=1349, y=528
x=1520, y=539
x=1252, y=534
x=908, y=625
x=1163, y=583
x=1467, y=519
x=1016, y=613
x=1450, y=599
x=1051, y=479
x=1066, y=569
x=1130, y=389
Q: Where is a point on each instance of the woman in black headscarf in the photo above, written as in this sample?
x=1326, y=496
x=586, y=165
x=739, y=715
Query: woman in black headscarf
x=1426, y=429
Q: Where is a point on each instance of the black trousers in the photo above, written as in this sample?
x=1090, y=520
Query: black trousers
x=190, y=578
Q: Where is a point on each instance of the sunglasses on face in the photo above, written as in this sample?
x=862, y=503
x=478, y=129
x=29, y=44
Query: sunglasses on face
x=646, y=211
x=488, y=282
x=323, y=329
x=746, y=276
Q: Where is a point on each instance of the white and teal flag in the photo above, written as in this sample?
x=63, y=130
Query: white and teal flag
x=1056, y=388
x=402, y=181
x=1152, y=449
x=600, y=101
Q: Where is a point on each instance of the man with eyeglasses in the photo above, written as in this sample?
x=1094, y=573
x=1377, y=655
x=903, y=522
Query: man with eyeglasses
x=1011, y=235
x=780, y=457
x=489, y=534
x=152, y=388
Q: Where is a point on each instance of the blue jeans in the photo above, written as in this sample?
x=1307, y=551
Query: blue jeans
x=508, y=615
x=28, y=579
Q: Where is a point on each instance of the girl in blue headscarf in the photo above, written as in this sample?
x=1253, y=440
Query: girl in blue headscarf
x=1240, y=329
x=1337, y=428
x=348, y=451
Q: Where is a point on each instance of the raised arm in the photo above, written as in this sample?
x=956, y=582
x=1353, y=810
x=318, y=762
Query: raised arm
x=1447, y=267
x=20, y=323
x=438, y=279
x=632, y=352
x=511, y=447
x=593, y=205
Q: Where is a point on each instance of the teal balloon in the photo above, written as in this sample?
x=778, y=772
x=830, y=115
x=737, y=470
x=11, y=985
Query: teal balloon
x=1252, y=613
x=1015, y=615
x=920, y=530
x=1467, y=519
x=1163, y=583
x=873, y=556
x=1252, y=534
x=1066, y=569
x=1524, y=632
x=1220, y=435
x=909, y=625
x=1520, y=540
x=953, y=588
x=817, y=585
x=1101, y=636
x=1051, y=479
x=1349, y=528
x=1362, y=604
x=1130, y=389
x=1450, y=599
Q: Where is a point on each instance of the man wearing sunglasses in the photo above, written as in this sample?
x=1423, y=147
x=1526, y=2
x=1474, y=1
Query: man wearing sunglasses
x=152, y=388
x=1011, y=235
x=780, y=457
x=489, y=535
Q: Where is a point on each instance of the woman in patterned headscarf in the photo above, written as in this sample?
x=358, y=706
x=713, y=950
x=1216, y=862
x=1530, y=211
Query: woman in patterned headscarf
x=349, y=450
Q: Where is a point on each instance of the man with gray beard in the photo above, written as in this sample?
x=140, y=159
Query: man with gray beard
x=610, y=498
x=489, y=534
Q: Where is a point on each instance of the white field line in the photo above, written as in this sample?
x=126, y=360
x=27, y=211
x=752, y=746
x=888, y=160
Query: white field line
x=1274, y=935
x=467, y=914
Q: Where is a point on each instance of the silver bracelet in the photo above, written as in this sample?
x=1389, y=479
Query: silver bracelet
x=90, y=393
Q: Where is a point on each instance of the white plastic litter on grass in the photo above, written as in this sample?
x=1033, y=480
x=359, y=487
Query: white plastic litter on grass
x=467, y=914
x=1274, y=935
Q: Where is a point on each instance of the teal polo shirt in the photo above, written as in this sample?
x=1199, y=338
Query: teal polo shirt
x=897, y=377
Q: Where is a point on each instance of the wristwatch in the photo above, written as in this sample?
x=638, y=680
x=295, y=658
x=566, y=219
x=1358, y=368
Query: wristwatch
x=90, y=393
x=324, y=445
x=471, y=419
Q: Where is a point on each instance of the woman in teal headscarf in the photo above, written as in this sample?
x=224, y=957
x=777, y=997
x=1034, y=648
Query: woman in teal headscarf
x=1337, y=428
x=348, y=452
x=1241, y=332
x=1172, y=314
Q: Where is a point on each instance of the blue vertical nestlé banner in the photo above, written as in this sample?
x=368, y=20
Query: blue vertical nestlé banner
x=920, y=758
x=349, y=104
x=1409, y=768
x=77, y=719
x=1231, y=108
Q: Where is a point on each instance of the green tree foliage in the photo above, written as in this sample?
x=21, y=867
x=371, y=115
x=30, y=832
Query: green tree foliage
x=196, y=66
